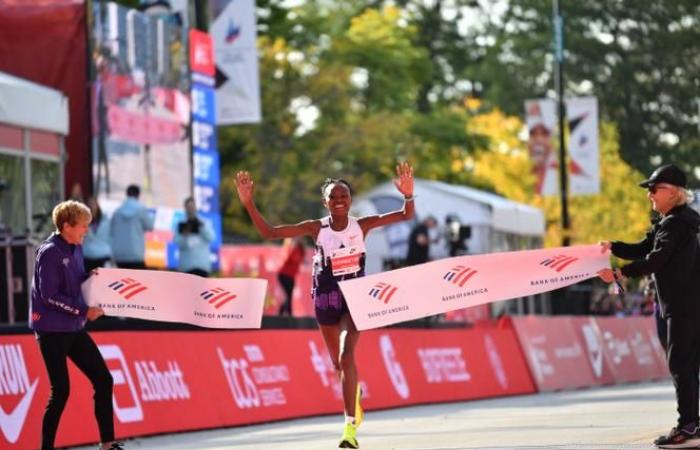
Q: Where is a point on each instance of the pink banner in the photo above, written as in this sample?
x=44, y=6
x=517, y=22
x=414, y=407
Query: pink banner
x=139, y=128
x=455, y=283
x=178, y=297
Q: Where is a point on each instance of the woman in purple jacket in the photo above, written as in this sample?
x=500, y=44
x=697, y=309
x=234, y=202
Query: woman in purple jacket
x=58, y=314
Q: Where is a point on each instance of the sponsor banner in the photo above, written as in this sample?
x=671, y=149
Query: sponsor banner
x=631, y=350
x=264, y=261
x=206, y=167
x=583, y=153
x=142, y=128
x=203, y=103
x=554, y=352
x=204, y=136
x=202, y=53
x=178, y=297
x=205, y=158
x=180, y=381
x=455, y=283
x=233, y=30
x=584, y=166
x=541, y=119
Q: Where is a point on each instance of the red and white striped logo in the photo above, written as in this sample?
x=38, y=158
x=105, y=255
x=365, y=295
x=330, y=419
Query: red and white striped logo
x=217, y=297
x=127, y=288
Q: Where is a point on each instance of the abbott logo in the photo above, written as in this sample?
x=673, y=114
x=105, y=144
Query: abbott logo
x=14, y=380
x=393, y=367
x=217, y=297
x=459, y=275
x=558, y=262
x=122, y=376
x=127, y=287
x=383, y=291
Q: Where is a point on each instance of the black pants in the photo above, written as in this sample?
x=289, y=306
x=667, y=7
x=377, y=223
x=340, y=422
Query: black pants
x=288, y=286
x=684, y=362
x=81, y=349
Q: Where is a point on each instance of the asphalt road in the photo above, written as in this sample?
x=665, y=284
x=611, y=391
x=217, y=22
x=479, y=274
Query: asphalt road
x=619, y=417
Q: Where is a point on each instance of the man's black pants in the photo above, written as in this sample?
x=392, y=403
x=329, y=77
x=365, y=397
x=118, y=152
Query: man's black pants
x=683, y=362
x=81, y=349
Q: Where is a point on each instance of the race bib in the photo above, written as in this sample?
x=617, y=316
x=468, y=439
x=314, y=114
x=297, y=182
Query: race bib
x=345, y=261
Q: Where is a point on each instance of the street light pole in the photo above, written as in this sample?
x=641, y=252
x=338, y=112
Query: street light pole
x=558, y=21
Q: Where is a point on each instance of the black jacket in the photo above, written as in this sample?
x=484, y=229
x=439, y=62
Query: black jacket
x=670, y=253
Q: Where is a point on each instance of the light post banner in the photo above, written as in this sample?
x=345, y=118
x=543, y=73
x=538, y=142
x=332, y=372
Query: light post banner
x=460, y=282
x=178, y=297
x=584, y=160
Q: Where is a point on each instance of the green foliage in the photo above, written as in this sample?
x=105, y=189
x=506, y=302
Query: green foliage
x=360, y=73
x=640, y=58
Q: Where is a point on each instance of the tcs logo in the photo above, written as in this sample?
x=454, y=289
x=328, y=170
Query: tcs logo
x=237, y=371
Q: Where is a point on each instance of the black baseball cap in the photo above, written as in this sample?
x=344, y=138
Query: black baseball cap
x=669, y=174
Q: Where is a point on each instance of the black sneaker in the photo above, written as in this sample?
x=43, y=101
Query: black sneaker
x=687, y=436
x=116, y=446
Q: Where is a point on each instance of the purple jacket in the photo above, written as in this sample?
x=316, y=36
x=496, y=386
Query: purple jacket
x=57, y=301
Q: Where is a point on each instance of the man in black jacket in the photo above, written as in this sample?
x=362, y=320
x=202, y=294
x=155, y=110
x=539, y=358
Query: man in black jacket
x=669, y=252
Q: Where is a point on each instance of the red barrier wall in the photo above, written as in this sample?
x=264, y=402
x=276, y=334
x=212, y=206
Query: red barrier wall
x=176, y=381
x=572, y=352
x=554, y=353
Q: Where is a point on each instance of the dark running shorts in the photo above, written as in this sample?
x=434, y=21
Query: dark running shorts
x=330, y=307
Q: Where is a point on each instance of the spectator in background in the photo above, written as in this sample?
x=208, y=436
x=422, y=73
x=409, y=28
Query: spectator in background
x=97, y=248
x=193, y=238
x=288, y=272
x=128, y=228
x=419, y=242
x=58, y=313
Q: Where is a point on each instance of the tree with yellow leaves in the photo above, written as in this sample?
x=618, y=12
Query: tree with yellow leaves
x=619, y=211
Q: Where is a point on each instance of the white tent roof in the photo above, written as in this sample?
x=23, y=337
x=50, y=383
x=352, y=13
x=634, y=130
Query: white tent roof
x=438, y=197
x=30, y=105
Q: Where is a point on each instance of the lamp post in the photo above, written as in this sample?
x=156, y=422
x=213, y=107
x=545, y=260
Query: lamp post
x=558, y=22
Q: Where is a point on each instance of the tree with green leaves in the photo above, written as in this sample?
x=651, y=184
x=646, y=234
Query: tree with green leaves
x=640, y=58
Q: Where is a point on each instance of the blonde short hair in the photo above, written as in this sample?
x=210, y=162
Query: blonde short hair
x=70, y=212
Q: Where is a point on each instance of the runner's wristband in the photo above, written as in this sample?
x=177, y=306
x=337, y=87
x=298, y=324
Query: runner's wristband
x=409, y=199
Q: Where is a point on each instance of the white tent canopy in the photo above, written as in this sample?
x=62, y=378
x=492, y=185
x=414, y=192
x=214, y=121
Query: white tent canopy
x=497, y=224
x=30, y=105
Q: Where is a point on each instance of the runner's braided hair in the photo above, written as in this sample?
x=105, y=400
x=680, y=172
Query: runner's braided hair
x=332, y=181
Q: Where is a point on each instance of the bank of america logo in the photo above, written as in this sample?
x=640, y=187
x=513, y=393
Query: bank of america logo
x=383, y=291
x=459, y=275
x=127, y=287
x=217, y=297
x=559, y=262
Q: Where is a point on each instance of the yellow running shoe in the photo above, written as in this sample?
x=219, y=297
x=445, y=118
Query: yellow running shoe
x=348, y=440
x=358, y=407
